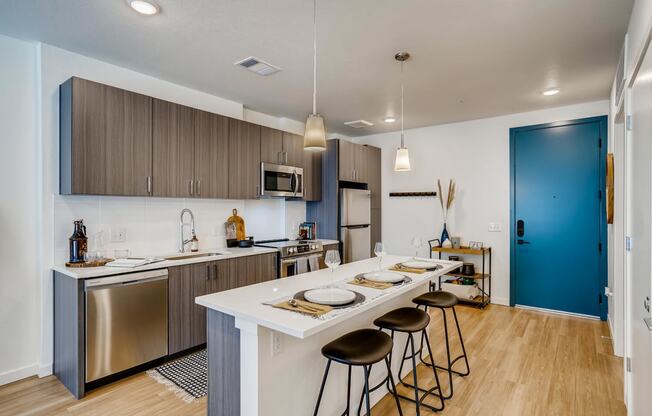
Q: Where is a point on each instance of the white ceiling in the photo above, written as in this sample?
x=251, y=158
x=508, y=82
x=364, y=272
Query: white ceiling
x=471, y=58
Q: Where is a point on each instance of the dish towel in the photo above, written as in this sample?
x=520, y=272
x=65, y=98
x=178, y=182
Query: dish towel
x=313, y=261
x=302, y=265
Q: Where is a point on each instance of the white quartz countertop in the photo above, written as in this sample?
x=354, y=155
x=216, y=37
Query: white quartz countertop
x=247, y=303
x=227, y=253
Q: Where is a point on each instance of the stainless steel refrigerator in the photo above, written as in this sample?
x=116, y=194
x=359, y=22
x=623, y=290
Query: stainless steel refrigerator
x=355, y=219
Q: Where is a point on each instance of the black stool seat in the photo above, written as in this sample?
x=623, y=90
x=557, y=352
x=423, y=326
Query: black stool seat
x=404, y=320
x=361, y=347
x=439, y=299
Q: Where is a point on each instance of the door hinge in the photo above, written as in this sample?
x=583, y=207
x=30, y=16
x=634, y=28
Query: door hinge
x=600, y=195
x=628, y=243
x=600, y=298
x=628, y=361
x=600, y=247
x=600, y=143
x=628, y=123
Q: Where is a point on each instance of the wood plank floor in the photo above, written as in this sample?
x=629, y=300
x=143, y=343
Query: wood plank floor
x=522, y=363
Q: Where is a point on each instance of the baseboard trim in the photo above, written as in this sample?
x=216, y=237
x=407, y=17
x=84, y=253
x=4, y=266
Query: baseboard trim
x=44, y=370
x=500, y=301
x=18, y=374
x=554, y=312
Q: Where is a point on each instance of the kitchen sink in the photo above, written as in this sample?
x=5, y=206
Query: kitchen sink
x=193, y=255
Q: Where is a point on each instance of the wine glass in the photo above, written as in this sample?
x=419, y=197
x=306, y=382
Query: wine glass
x=332, y=260
x=416, y=243
x=379, y=251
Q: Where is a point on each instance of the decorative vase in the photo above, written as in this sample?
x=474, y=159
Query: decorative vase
x=444, y=235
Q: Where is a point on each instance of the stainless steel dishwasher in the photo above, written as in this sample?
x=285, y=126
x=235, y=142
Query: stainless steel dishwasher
x=126, y=321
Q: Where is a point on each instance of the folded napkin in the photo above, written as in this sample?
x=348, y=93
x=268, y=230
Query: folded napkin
x=368, y=283
x=306, y=308
x=398, y=267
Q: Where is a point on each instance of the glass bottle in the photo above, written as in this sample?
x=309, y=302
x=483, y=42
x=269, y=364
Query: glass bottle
x=78, y=243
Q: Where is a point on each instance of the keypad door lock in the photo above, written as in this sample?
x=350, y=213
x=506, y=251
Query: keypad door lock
x=646, y=304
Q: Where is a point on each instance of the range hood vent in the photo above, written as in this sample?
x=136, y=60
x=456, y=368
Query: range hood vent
x=258, y=66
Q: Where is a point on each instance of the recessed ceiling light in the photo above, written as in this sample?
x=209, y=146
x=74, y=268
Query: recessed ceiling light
x=551, y=91
x=389, y=119
x=144, y=7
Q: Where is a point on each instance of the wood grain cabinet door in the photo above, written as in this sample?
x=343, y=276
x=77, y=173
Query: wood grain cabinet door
x=361, y=163
x=293, y=149
x=202, y=274
x=346, y=160
x=312, y=176
x=266, y=268
x=107, y=135
x=244, y=151
x=180, y=308
x=211, y=155
x=374, y=175
x=220, y=279
x=271, y=145
x=173, y=150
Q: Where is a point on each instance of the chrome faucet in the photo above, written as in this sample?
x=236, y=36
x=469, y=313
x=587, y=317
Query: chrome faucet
x=182, y=241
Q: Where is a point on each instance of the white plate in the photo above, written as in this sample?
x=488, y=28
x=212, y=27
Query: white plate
x=330, y=296
x=419, y=264
x=384, y=277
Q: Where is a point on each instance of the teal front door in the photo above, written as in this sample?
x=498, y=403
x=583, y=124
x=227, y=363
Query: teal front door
x=558, y=230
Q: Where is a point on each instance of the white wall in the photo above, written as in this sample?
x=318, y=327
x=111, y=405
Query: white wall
x=19, y=283
x=638, y=30
x=476, y=155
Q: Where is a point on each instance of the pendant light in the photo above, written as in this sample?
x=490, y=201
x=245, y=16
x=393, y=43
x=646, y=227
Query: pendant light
x=402, y=162
x=314, y=138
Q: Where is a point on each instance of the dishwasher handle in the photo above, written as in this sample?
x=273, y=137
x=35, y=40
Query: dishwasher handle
x=126, y=279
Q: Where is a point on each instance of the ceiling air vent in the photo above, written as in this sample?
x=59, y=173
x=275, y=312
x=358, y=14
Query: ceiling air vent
x=258, y=66
x=358, y=124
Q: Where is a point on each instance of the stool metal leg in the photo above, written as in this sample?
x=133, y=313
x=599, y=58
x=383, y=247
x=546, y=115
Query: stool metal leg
x=348, y=395
x=414, y=374
x=366, y=389
x=466, y=359
x=393, y=390
x=321, y=389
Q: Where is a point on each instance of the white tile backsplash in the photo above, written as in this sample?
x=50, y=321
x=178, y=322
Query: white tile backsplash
x=152, y=224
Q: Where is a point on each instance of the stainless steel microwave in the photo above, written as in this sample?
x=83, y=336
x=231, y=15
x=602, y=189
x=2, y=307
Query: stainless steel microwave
x=281, y=181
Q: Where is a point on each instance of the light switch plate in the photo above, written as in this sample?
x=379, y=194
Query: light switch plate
x=495, y=227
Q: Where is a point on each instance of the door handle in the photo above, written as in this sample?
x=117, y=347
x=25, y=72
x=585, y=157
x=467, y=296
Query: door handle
x=521, y=242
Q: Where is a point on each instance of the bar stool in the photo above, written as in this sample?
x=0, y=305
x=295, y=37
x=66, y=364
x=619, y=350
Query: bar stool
x=442, y=301
x=362, y=348
x=410, y=321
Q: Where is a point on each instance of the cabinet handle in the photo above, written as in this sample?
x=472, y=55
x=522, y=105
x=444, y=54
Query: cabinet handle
x=279, y=158
x=190, y=186
x=208, y=272
x=149, y=185
x=285, y=158
x=198, y=187
x=257, y=190
x=215, y=271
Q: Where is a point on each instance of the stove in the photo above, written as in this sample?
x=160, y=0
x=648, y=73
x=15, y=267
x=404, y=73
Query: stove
x=293, y=248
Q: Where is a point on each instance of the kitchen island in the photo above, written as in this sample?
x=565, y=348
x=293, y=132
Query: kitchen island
x=267, y=361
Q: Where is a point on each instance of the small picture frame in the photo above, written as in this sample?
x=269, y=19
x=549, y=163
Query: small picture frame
x=476, y=245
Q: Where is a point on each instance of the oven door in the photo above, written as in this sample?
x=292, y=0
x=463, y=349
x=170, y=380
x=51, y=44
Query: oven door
x=281, y=181
x=288, y=267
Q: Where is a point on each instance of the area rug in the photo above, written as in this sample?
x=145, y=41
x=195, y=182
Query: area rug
x=187, y=377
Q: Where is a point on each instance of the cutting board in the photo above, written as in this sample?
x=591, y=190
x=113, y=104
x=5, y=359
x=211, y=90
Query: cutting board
x=239, y=225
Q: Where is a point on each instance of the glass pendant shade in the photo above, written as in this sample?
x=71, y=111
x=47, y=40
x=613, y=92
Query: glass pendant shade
x=402, y=162
x=315, y=137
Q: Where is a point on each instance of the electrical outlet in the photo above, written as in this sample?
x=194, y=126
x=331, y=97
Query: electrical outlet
x=276, y=345
x=495, y=227
x=118, y=235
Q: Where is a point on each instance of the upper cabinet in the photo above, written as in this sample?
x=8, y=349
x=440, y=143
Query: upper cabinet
x=211, y=155
x=244, y=153
x=373, y=173
x=105, y=140
x=117, y=142
x=174, y=150
x=281, y=148
x=293, y=149
x=353, y=162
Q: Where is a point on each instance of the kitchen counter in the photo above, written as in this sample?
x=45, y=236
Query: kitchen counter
x=259, y=345
x=227, y=253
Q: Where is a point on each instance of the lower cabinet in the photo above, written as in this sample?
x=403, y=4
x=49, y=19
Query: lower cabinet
x=186, y=319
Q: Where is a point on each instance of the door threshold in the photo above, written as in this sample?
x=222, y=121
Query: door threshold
x=555, y=312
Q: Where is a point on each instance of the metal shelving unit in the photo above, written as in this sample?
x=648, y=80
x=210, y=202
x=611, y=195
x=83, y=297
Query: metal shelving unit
x=484, y=275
